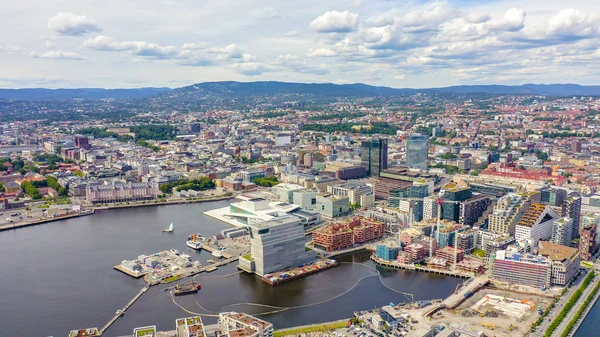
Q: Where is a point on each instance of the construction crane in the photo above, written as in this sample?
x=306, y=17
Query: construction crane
x=457, y=287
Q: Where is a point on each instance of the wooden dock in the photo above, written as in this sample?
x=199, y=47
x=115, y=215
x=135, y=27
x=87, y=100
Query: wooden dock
x=116, y=317
x=43, y=221
x=129, y=272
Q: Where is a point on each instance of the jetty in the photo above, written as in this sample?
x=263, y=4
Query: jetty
x=129, y=304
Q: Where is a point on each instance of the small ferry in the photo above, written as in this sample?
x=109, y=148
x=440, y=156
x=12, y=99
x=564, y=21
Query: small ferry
x=217, y=253
x=174, y=251
x=194, y=242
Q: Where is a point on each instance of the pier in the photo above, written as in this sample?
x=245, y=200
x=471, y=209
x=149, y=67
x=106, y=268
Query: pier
x=116, y=317
x=396, y=265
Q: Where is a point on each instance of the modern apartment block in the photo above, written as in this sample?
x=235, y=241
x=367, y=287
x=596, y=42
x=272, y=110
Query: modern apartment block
x=565, y=261
x=507, y=212
x=190, y=327
x=430, y=208
x=572, y=209
x=472, y=209
x=410, y=198
x=347, y=234
x=587, y=242
x=536, y=224
x=535, y=271
x=562, y=231
x=275, y=245
x=233, y=324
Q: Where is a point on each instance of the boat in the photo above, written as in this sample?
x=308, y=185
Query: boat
x=217, y=253
x=119, y=312
x=194, y=243
x=174, y=251
x=171, y=229
x=187, y=288
x=185, y=256
x=211, y=261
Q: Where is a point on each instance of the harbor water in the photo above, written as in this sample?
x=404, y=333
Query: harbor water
x=589, y=327
x=59, y=276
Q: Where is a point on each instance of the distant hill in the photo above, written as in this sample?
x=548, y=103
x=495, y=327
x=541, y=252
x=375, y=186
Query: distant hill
x=269, y=88
x=83, y=93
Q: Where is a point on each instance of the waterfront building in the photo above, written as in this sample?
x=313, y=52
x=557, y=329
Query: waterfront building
x=386, y=252
x=233, y=324
x=572, y=209
x=565, y=261
x=417, y=151
x=536, y=224
x=448, y=253
x=587, y=242
x=410, y=235
x=374, y=156
x=90, y=332
x=561, y=231
x=119, y=192
x=332, y=206
x=275, y=245
x=146, y=331
x=344, y=235
x=190, y=327
x=445, y=235
x=305, y=199
x=418, y=251
x=358, y=193
x=535, y=271
x=285, y=191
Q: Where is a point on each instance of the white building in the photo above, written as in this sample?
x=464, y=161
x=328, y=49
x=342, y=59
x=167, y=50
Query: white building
x=233, y=324
x=430, y=208
x=358, y=193
x=561, y=231
x=536, y=224
x=286, y=191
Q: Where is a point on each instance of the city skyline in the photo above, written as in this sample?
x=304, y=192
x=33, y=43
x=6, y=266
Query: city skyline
x=414, y=44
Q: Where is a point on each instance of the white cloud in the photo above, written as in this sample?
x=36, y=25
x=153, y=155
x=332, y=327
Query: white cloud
x=229, y=52
x=320, y=52
x=73, y=25
x=194, y=46
x=335, y=22
x=12, y=50
x=513, y=20
x=136, y=48
x=399, y=77
x=292, y=32
x=57, y=55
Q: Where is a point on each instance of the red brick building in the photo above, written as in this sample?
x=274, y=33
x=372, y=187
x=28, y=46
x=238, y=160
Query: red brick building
x=345, y=235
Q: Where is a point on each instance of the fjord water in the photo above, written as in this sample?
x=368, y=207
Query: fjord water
x=59, y=276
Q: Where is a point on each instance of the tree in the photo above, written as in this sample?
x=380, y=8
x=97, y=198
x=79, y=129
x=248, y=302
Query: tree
x=266, y=182
x=57, y=149
x=3, y=167
x=31, y=190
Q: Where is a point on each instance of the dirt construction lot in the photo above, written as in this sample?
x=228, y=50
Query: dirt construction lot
x=494, y=311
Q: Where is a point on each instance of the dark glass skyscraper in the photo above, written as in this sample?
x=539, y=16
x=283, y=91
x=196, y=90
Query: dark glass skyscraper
x=374, y=156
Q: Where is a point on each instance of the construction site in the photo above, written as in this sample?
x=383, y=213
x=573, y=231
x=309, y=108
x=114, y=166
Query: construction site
x=495, y=312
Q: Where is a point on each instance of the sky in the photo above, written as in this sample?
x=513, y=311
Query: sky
x=395, y=43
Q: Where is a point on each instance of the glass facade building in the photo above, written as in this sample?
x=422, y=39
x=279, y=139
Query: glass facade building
x=417, y=150
x=374, y=156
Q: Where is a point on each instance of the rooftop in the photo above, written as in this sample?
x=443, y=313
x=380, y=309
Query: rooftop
x=556, y=252
x=90, y=332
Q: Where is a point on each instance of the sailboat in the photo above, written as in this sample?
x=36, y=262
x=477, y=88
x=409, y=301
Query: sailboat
x=170, y=229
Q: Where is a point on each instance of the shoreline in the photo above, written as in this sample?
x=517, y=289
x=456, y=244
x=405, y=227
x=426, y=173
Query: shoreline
x=105, y=208
x=40, y=222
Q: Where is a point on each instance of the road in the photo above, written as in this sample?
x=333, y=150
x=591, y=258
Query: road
x=559, y=305
x=563, y=325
